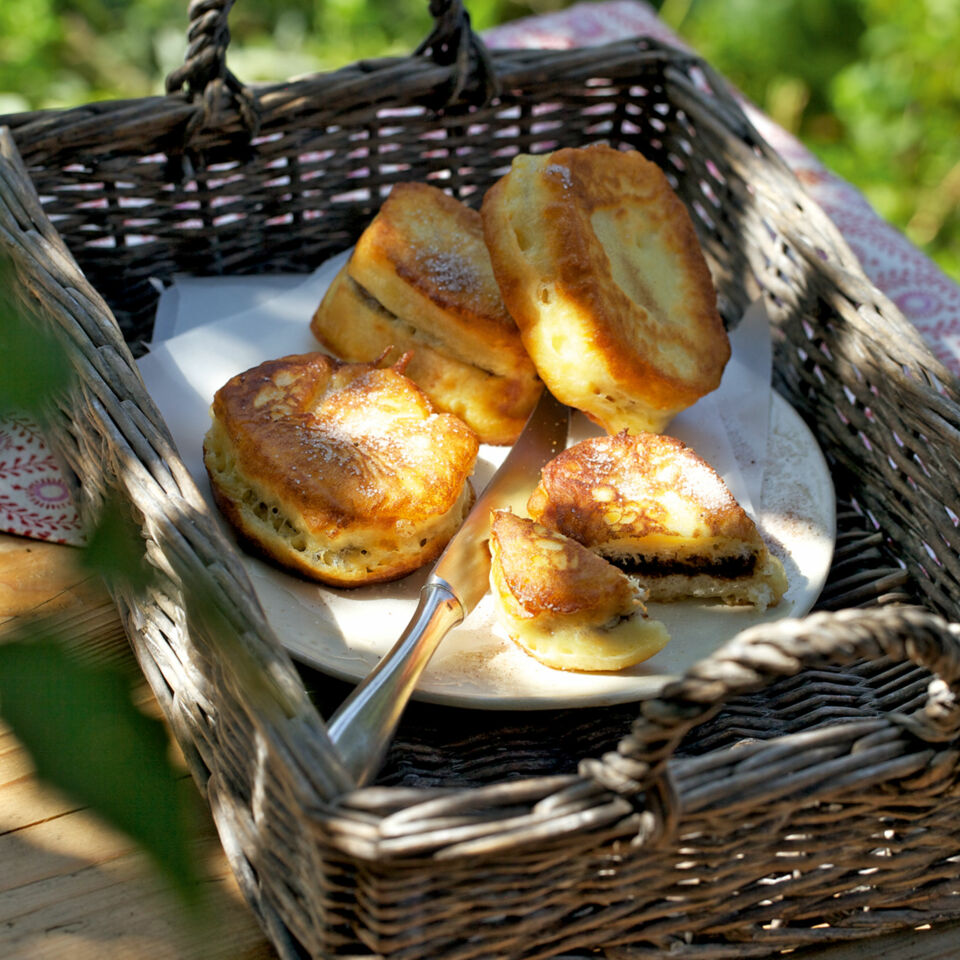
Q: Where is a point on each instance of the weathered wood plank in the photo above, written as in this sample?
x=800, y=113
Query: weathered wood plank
x=71, y=888
x=34, y=573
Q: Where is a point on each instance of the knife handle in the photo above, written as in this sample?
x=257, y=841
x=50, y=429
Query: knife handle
x=364, y=724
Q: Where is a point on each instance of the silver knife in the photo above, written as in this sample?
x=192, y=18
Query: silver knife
x=364, y=724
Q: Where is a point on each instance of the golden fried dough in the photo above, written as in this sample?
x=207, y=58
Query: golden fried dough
x=652, y=506
x=564, y=605
x=354, y=326
x=420, y=280
x=342, y=472
x=598, y=262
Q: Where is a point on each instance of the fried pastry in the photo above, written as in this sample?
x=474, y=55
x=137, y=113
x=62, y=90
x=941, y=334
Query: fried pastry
x=652, y=506
x=598, y=263
x=420, y=281
x=564, y=605
x=342, y=472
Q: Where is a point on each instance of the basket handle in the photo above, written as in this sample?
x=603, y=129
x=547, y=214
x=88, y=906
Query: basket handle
x=453, y=42
x=207, y=39
x=768, y=652
x=204, y=73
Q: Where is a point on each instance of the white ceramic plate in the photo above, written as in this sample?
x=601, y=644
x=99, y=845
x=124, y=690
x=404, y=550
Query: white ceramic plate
x=344, y=632
x=772, y=461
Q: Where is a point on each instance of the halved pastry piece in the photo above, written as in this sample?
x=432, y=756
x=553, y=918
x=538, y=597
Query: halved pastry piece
x=652, y=506
x=420, y=280
x=342, y=472
x=564, y=605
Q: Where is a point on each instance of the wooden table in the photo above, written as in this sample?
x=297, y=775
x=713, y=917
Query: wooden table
x=72, y=888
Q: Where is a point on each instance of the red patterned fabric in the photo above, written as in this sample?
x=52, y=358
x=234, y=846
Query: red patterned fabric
x=34, y=498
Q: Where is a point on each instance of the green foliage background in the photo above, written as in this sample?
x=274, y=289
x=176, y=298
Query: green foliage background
x=873, y=86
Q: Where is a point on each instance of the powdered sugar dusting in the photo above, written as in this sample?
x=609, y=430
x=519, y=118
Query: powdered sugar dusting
x=597, y=457
x=451, y=271
x=364, y=422
x=314, y=446
x=699, y=482
x=561, y=172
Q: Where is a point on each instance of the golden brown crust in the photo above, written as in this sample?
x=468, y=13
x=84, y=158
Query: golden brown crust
x=355, y=327
x=598, y=262
x=565, y=605
x=547, y=573
x=606, y=491
x=423, y=257
x=342, y=471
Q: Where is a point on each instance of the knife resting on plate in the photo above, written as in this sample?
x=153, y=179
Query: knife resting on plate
x=364, y=724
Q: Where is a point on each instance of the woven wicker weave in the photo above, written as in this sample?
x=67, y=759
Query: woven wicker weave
x=799, y=786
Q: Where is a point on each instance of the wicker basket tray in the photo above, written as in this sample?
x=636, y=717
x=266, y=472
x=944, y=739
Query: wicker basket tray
x=799, y=786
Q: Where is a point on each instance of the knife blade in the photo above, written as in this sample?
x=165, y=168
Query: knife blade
x=363, y=726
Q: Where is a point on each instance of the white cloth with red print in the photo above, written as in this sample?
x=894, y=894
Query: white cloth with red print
x=35, y=498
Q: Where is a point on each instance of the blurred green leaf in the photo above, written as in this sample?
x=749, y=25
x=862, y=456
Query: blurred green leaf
x=33, y=363
x=86, y=738
x=115, y=548
x=78, y=722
